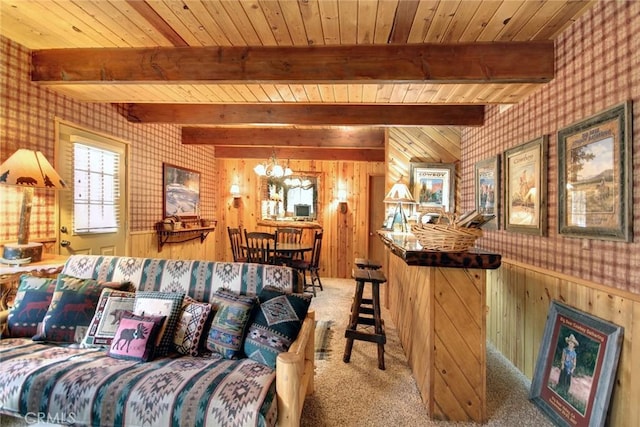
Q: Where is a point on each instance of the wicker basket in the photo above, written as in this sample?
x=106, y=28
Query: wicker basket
x=445, y=237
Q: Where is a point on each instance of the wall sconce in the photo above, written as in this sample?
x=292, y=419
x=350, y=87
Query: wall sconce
x=235, y=192
x=342, y=201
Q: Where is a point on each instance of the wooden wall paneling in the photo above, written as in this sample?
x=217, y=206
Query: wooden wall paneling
x=632, y=382
x=540, y=288
x=142, y=244
x=145, y=245
x=344, y=234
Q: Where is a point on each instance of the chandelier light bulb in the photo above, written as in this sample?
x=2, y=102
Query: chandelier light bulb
x=277, y=171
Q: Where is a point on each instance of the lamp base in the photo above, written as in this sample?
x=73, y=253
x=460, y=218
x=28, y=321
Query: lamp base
x=14, y=251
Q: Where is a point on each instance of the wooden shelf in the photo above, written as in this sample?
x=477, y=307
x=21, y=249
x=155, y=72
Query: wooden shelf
x=181, y=235
x=290, y=223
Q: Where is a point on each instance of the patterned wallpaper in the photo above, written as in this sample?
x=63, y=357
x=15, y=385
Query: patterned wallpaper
x=27, y=119
x=597, y=67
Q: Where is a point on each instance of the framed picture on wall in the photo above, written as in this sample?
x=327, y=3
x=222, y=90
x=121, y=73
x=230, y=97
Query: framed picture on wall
x=595, y=176
x=487, y=190
x=576, y=367
x=181, y=191
x=432, y=185
x=525, y=187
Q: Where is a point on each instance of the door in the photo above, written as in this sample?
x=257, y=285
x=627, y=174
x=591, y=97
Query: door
x=93, y=210
x=376, y=219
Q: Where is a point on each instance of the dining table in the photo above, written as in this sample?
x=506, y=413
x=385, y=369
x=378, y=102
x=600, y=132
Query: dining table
x=293, y=248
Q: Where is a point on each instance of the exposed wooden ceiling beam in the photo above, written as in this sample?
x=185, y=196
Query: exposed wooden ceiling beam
x=156, y=22
x=307, y=153
x=307, y=114
x=285, y=137
x=497, y=62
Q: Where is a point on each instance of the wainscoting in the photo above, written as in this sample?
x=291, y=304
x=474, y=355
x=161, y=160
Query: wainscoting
x=518, y=299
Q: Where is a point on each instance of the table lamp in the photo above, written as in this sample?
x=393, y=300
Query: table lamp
x=399, y=194
x=28, y=169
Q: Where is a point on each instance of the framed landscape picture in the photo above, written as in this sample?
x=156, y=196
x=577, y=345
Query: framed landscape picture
x=576, y=367
x=181, y=191
x=525, y=187
x=595, y=176
x=432, y=185
x=487, y=190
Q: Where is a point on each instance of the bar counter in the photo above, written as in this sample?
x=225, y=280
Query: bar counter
x=407, y=247
x=438, y=304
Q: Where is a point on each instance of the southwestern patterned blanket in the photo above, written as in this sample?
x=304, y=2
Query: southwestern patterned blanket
x=66, y=385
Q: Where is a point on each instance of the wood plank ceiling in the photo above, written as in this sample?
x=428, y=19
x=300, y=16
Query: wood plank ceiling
x=224, y=70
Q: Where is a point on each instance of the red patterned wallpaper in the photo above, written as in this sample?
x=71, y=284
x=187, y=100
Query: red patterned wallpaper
x=597, y=67
x=27, y=119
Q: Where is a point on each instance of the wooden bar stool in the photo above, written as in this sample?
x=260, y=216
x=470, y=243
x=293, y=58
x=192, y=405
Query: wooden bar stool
x=367, y=264
x=359, y=308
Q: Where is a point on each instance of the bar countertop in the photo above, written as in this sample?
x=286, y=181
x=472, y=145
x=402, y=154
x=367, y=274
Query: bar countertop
x=407, y=247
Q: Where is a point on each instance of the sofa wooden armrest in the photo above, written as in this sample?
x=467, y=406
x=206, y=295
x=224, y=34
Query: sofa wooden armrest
x=4, y=317
x=294, y=374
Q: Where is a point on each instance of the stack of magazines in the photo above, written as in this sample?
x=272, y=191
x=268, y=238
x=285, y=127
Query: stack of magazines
x=473, y=219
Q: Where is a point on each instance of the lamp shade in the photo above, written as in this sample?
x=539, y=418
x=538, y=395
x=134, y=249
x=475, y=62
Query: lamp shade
x=30, y=169
x=399, y=193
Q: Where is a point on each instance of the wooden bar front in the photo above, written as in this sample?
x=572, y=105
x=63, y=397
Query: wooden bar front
x=438, y=304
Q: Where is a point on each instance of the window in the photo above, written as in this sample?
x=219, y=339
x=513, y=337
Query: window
x=96, y=189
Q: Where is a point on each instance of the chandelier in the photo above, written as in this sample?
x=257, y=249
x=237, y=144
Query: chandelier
x=271, y=168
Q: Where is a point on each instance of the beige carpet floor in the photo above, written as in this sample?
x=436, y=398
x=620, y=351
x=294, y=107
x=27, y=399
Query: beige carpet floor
x=359, y=394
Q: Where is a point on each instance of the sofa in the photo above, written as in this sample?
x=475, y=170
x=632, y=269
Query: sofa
x=70, y=374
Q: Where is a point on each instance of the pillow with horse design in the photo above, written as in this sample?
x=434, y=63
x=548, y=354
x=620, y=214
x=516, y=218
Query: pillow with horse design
x=135, y=338
x=32, y=301
x=112, y=305
x=71, y=310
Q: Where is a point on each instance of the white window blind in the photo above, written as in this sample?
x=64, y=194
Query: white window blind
x=96, y=189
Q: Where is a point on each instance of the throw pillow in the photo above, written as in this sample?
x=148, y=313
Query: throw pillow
x=135, y=337
x=158, y=303
x=72, y=306
x=276, y=324
x=190, y=326
x=111, y=307
x=229, y=323
x=32, y=301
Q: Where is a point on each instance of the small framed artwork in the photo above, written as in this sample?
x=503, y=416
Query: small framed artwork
x=432, y=185
x=595, y=176
x=487, y=189
x=576, y=367
x=181, y=192
x=525, y=187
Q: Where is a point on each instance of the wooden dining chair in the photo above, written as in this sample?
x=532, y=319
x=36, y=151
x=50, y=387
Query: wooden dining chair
x=235, y=237
x=287, y=235
x=311, y=266
x=260, y=246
